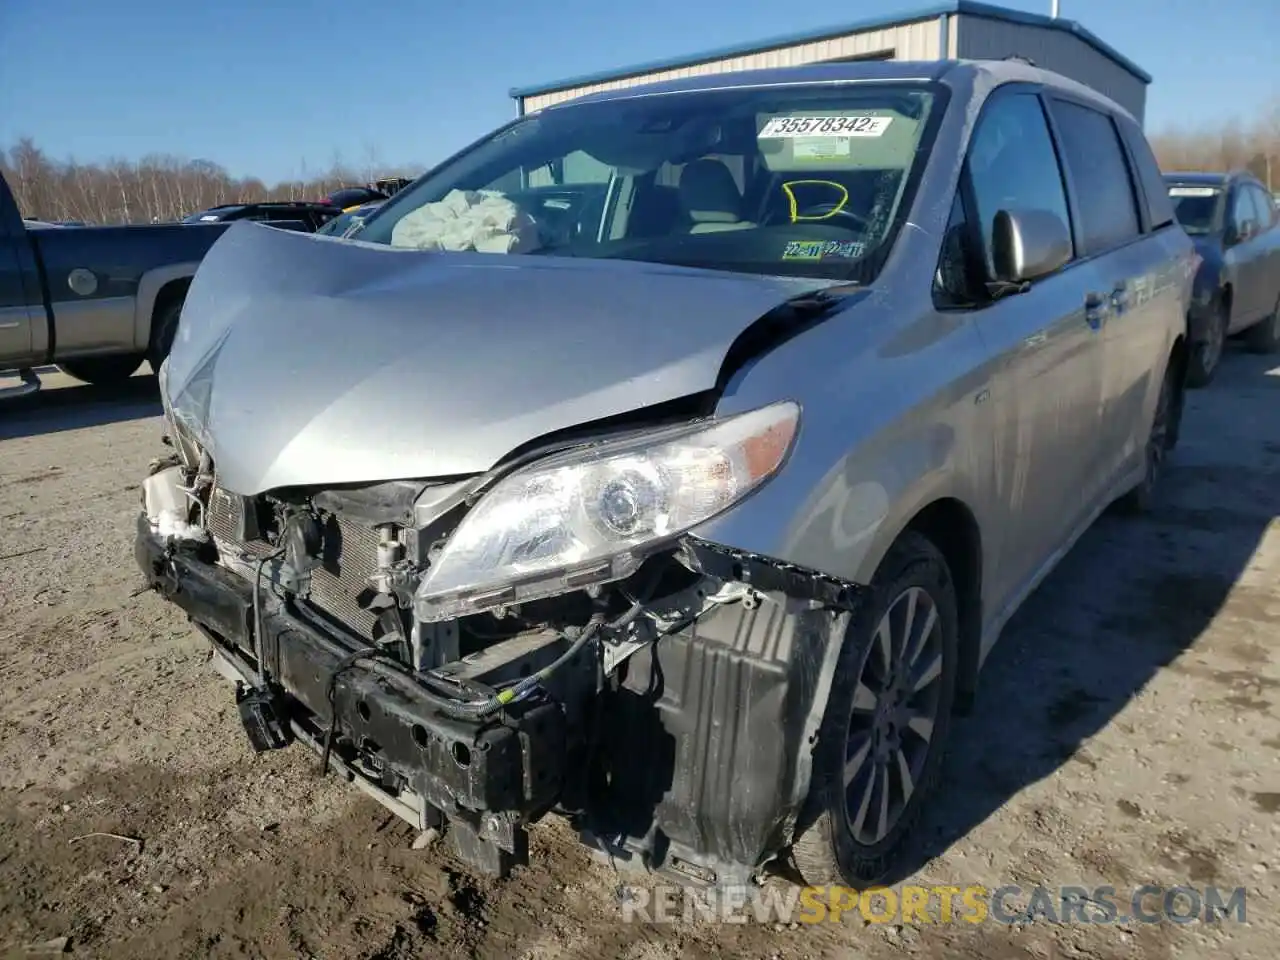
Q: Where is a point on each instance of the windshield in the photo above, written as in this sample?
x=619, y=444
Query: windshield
x=806, y=180
x=1196, y=207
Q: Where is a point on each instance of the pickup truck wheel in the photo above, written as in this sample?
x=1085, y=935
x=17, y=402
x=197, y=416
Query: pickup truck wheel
x=884, y=732
x=1206, y=356
x=166, y=328
x=103, y=370
x=1264, y=336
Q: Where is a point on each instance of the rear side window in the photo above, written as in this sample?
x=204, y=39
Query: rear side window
x=1099, y=176
x=1242, y=211
x=1159, y=207
x=1266, y=211
x=1012, y=164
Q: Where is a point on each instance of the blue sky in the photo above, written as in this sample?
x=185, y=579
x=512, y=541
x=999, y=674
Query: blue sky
x=272, y=87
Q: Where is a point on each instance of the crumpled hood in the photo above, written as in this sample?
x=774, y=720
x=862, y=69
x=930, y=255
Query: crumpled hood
x=306, y=360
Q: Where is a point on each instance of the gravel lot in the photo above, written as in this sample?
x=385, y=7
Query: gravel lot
x=1126, y=733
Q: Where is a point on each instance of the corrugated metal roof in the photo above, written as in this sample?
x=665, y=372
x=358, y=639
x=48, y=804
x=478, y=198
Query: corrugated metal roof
x=877, y=23
x=868, y=71
x=871, y=70
x=986, y=38
x=920, y=40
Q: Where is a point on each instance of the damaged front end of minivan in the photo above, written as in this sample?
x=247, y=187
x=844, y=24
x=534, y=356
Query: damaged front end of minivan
x=548, y=635
x=660, y=691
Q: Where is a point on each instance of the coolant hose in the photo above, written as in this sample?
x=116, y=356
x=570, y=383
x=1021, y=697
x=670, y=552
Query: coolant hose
x=478, y=709
x=446, y=704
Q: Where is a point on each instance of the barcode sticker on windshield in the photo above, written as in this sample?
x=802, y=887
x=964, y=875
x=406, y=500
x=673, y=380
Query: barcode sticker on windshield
x=786, y=128
x=820, y=148
x=1192, y=191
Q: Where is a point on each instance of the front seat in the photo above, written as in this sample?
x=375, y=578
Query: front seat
x=710, y=198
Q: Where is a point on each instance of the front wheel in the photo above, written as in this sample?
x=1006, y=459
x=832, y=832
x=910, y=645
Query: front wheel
x=1206, y=356
x=103, y=370
x=163, y=333
x=885, y=728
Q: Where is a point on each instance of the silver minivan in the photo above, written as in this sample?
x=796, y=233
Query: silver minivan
x=669, y=460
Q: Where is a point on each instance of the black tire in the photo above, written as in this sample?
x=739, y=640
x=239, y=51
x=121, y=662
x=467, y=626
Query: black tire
x=826, y=849
x=1206, y=356
x=1264, y=336
x=104, y=370
x=164, y=329
x=1166, y=425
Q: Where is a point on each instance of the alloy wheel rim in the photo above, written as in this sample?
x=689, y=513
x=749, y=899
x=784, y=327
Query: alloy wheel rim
x=895, y=708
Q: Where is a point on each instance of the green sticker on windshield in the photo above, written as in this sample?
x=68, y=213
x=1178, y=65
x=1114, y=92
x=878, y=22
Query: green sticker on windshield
x=813, y=250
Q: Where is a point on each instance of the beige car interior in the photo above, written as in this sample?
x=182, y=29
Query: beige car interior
x=710, y=198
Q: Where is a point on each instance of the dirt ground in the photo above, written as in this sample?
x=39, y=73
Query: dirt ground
x=1126, y=733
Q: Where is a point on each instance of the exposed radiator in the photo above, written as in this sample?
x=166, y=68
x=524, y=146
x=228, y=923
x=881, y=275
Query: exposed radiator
x=336, y=592
x=221, y=523
x=336, y=585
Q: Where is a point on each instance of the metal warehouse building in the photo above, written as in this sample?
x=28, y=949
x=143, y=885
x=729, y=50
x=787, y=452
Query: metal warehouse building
x=956, y=30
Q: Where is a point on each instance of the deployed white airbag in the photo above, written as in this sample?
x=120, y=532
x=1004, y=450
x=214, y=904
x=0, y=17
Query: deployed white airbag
x=480, y=220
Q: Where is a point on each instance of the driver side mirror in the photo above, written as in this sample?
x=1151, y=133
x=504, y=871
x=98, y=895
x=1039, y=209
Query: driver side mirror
x=1028, y=244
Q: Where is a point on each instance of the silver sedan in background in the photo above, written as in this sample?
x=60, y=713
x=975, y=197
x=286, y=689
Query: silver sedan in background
x=671, y=459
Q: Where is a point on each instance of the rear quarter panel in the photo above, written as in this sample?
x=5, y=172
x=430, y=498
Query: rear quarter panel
x=1271, y=270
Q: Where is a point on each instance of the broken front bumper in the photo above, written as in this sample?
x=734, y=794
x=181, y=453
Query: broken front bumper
x=486, y=776
x=699, y=766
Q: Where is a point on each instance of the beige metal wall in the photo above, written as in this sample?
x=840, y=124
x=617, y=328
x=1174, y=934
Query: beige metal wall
x=909, y=41
x=980, y=38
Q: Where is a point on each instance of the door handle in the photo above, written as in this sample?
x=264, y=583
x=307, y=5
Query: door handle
x=1120, y=298
x=1097, y=307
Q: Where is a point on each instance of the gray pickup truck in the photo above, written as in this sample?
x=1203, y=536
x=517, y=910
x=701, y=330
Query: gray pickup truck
x=96, y=301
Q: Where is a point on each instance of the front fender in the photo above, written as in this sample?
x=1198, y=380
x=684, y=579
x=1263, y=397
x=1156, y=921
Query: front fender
x=889, y=424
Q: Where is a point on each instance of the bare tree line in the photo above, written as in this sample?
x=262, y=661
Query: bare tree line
x=167, y=188
x=154, y=188
x=1233, y=145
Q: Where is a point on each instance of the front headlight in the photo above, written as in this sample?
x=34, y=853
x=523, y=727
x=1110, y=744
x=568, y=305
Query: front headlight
x=593, y=514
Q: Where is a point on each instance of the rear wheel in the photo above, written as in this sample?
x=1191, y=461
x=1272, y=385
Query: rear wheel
x=1165, y=427
x=165, y=328
x=103, y=370
x=884, y=733
x=1207, y=354
x=1264, y=336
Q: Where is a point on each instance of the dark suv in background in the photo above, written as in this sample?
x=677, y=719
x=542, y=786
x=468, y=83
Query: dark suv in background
x=303, y=216
x=1232, y=219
